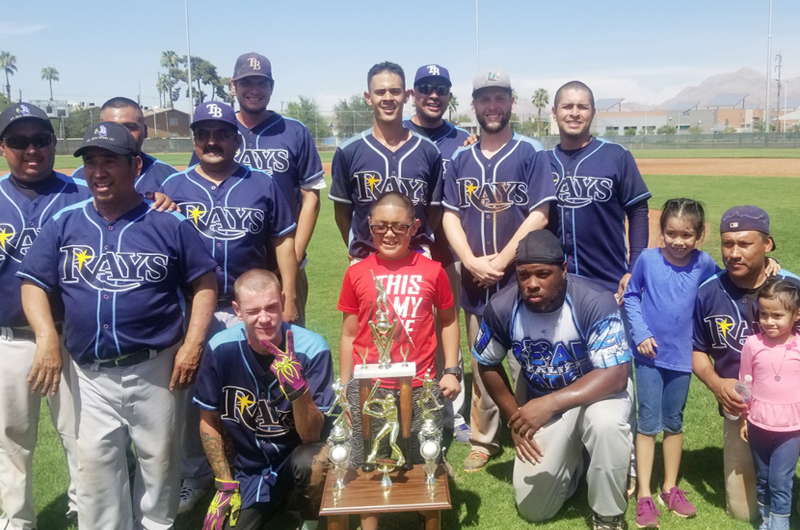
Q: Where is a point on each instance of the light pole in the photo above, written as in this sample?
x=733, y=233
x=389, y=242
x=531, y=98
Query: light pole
x=189, y=61
x=477, y=42
x=769, y=59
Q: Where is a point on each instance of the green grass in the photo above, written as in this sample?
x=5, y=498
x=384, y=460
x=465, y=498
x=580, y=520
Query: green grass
x=753, y=152
x=485, y=500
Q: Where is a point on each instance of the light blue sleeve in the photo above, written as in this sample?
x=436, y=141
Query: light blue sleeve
x=633, y=300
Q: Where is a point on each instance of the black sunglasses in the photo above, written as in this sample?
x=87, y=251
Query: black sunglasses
x=428, y=89
x=22, y=142
x=220, y=135
x=397, y=228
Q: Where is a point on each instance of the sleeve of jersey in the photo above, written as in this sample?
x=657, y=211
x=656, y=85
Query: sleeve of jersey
x=746, y=364
x=280, y=217
x=633, y=304
x=207, y=387
x=541, y=188
x=348, y=299
x=493, y=342
x=319, y=374
x=195, y=258
x=436, y=184
x=443, y=294
x=309, y=165
x=340, y=179
x=40, y=264
x=700, y=338
x=450, y=187
x=605, y=334
x=633, y=187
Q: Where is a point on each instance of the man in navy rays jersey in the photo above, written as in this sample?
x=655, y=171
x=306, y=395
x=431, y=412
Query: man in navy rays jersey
x=276, y=426
x=496, y=191
x=128, y=113
x=598, y=187
x=282, y=147
x=118, y=267
x=386, y=158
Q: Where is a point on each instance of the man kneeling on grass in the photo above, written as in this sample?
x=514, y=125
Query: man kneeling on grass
x=567, y=334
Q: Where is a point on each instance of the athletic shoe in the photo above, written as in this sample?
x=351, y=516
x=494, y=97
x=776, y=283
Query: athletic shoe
x=475, y=461
x=189, y=498
x=646, y=513
x=610, y=522
x=462, y=433
x=677, y=503
x=630, y=489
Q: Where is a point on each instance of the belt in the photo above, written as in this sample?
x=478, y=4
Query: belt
x=132, y=359
x=14, y=334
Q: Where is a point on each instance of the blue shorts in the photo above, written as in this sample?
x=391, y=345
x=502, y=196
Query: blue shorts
x=661, y=395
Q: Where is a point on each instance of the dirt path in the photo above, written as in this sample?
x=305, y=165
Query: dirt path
x=748, y=167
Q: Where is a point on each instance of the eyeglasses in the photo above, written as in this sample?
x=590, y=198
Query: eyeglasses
x=22, y=142
x=397, y=229
x=220, y=135
x=428, y=89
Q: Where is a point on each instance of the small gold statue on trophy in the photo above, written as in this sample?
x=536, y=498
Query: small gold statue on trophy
x=383, y=329
x=388, y=411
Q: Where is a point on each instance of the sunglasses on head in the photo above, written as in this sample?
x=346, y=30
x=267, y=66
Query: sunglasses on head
x=22, y=142
x=428, y=89
x=220, y=135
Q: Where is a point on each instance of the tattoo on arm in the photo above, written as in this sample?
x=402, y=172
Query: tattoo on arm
x=214, y=448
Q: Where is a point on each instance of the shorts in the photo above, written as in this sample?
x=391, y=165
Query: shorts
x=661, y=395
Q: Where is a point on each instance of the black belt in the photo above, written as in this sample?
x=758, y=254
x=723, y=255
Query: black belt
x=124, y=361
x=24, y=333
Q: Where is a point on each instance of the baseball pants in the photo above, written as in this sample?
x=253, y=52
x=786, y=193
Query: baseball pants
x=453, y=411
x=603, y=429
x=19, y=425
x=741, y=499
x=485, y=414
x=117, y=407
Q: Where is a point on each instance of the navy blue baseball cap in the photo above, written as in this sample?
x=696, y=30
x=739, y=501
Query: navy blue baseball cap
x=432, y=70
x=250, y=64
x=22, y=111
x=111, y=137
x=214, y=111
x=746, y=218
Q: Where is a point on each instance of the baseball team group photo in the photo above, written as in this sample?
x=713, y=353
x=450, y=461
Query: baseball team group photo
x=430, y=323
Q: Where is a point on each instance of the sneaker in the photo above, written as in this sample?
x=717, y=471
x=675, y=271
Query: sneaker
x=610, y=522
x=462, y=433
x=677, y=503
x=646, y=513
x=630, y=490
x=475, y=461
x=189, y=498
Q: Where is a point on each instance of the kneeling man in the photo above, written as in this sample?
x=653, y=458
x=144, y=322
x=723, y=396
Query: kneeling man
x=567, y=334
x=267, y=383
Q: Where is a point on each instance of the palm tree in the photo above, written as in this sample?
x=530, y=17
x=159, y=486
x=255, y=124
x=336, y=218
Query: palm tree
x=169, y=60
x=50, y=74
x=540, y=100
x=164, y=86
x=452, y=106
x=8, y=63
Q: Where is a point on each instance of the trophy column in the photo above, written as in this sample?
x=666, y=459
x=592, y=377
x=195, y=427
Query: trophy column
x=364, y=388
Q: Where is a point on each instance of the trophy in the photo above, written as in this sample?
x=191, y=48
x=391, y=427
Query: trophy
x=383, y=329
x=430, y=437
x=388, y=411
x=339, y=439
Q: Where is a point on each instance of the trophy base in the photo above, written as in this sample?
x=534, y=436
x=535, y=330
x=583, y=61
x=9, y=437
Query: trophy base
x=375, y=371
x=368, y=468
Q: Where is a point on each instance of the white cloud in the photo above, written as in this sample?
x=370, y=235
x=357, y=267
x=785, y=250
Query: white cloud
x=12, y=29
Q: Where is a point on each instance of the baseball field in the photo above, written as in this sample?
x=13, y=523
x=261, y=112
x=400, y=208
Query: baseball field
x=485, y=499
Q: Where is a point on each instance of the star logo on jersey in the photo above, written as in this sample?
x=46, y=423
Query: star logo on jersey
x=112, y=271
x=5, y=235
x=369, y=185
x=15, y=247
x=724, y=326
x=576, y=191
x=261, y=416
x=726, y=332
x=492, y=197
x=269, y=160
x=224, y=222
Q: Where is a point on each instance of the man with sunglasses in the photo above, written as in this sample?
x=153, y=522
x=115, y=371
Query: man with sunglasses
x=431, y=100
x=30, y=194
x=129, y=114
x=386, y=158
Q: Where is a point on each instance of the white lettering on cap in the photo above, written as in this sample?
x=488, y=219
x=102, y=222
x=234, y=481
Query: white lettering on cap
x=215, y=110
x=433, y=70
x=255, y=64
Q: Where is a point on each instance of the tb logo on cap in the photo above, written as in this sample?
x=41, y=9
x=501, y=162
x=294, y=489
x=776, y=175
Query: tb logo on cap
x=433, y=70
x=255, y=64
x=215, y=110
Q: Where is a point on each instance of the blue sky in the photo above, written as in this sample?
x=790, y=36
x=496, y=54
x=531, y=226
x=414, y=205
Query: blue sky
x=644, y=51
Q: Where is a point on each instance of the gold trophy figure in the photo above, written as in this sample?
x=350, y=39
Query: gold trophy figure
x=388, y=411
x=383, y=329
x=340, y=403
x=430, y=436
x=427, y=397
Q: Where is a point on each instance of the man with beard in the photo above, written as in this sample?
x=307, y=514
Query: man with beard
x=496, y=191
x=567, y=334
x=386, y=158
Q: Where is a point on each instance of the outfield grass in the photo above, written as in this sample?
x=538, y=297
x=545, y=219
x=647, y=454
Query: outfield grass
x=485, y=499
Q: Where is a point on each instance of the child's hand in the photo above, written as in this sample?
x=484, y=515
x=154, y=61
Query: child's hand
x=772, y=267
x=648, y=347
x=450, y=386
x=743, y=430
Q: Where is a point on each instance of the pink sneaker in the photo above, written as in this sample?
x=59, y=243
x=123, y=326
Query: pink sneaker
x=675, y=500
x=646, y=513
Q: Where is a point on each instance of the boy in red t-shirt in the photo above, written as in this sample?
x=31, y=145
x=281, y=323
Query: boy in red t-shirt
x=414, y=285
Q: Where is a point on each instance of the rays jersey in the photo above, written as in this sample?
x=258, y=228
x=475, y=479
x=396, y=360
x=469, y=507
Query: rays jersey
x=285, y=149
x=724, y=316
x=256, y=414
x=363, y=169
x=594, y=185
x=493, y=197
x=119, y=280
x=21, y=219
x=554, y=349
x=238, y=219
x=153, y=174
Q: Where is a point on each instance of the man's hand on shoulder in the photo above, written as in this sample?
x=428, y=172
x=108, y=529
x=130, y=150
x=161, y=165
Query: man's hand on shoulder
x=161, y=202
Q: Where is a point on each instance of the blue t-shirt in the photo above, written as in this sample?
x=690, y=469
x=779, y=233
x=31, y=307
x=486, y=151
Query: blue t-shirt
x=254, y=411
x=659, y=301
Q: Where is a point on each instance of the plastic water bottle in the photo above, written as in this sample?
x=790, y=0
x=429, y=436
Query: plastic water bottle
x=743, y=389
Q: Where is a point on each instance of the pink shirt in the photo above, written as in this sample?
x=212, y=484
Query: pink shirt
x=775, y=403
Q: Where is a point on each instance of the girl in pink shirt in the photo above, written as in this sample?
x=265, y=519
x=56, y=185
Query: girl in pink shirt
x=772, y=426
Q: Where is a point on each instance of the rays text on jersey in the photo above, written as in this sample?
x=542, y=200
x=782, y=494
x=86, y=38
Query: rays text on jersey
x=112, y=271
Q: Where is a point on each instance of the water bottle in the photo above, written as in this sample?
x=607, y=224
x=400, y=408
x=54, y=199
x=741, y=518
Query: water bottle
x=743, y=389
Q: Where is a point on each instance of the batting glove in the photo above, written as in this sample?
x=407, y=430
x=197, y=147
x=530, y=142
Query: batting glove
x=287, y=368
x=227, y=501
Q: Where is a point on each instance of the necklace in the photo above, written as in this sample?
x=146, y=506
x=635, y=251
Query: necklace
x=778, y=371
